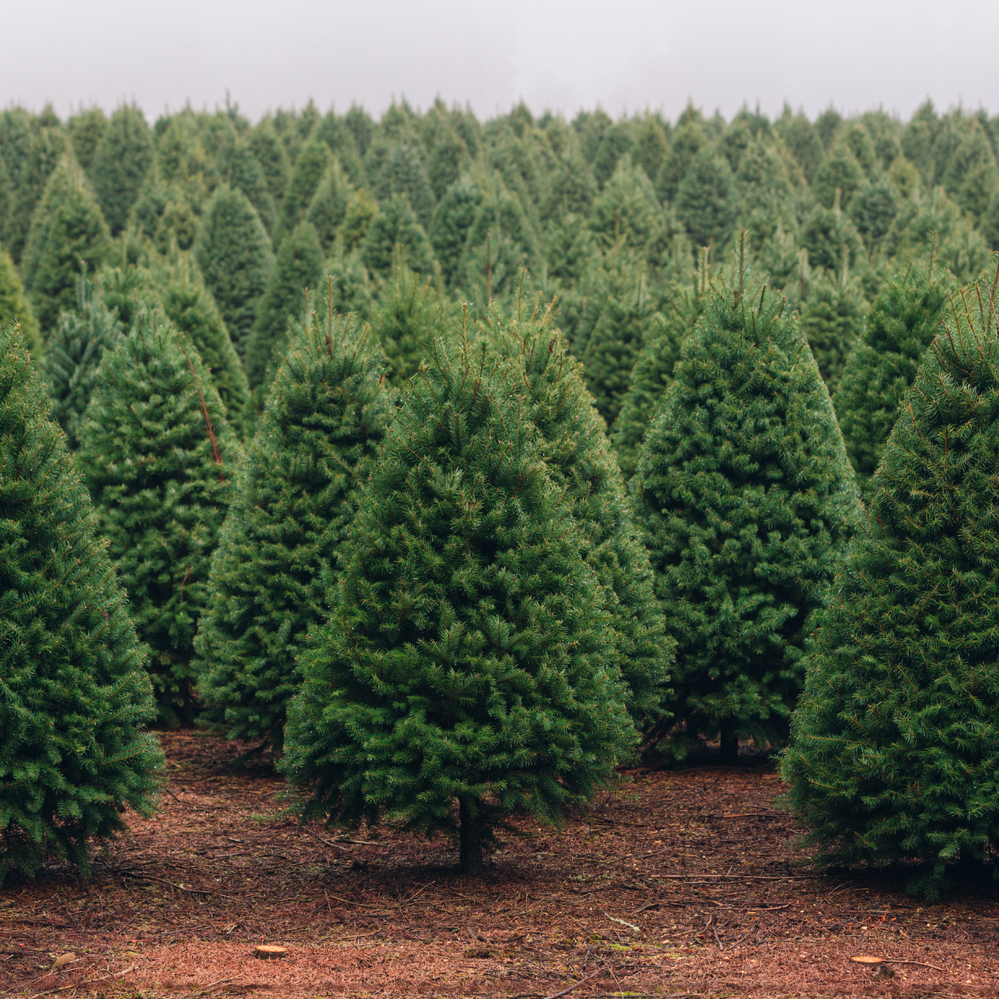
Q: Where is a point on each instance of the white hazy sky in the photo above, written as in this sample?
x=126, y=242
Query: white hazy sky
x=558, y=54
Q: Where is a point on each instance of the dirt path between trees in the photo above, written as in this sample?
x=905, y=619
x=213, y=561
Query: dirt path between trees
x=675, y=884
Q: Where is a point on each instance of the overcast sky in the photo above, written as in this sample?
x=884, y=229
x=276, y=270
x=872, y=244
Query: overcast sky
x=557, y=54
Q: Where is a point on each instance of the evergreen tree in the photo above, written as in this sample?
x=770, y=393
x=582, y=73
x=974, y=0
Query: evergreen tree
x=827, y=235
x=841, y=172
x=15, y=307
x=832, y=319
x=580, y=461
x=352, y=291
x=407, y=318
x=238, y=167
x=361, y=126
x=310, y=167
x=86, y=129
x=334, y=132
x=903, y=319
x=270, y=153
x=873, y=209
x=801, y=139
x=704, y=201
x=448, y=156
x=74, y=353
x=688, y=139
x=627, y=209
x=328, y=208
x=747, y=498
x=189, y=306
x=465, y=658
x=68, y=235
x=235, y=257
x=895, y=742
x=765, y=192
x=294, y=502
x=15, y=140
x=453, y=219
x=361, y=210
x=649, y=145
x=299, y=269
x=919, y=137
x=570, y=188
x=394, y=225
x=653, y=370
x=157, y=455
x=48, y=147
x=75, y=694
x=404, y=174
x=121, y=161
x=971, y=176
x=6, y=195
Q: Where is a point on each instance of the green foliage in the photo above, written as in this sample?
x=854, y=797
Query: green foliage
x=627, y=210
x=688, y=140
x=580, y=461
x=15, y=307
x=15, y=140
x=453, y=219
x=68, y=236
x=396, y=224
x=971, y=176
x=273, y=158
x=294, y=502
x=465, y=655
x=349, y=284
x=895, y=743
x=873, y=209
x=73, y=355
x=310, y=167
x=827, y=235
x=801, y=139
x=747, y=499
x=235, y=257
x=327, y=210
x=361, y=210
x=238, y=167
x=832, y=319
x=404, y=174
x=903, y=319
x=86, y=129
x=48, y=147
x=298, y=271
x=74, y=691
x=334, y=132
x=841, y=172
x=157, y=455
x=120, y=164
x=704, y=203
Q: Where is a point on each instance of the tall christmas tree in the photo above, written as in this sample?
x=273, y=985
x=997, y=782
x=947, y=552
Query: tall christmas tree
x=48, y=147
x=73, y=758
x=464, y=662
x=295, y=499
x=903, y=319
x=747, y=499
x=158, y=456
x=895, y=745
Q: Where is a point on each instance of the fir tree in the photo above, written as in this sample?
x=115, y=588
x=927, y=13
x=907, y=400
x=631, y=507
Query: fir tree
x=48, y=147
x=238, y=167
x=649, y=145
x=627, y=209
x=157, y=455
x=6, y=194
x=299, y=269
x=971, y=176
x=352, y=291
x=832, y=319
x=465, y=658
x=895, y=743
x=903, y=319
x=361, y=210
x=571, y=188
x=75, y=694
x=688, y=139
x=310, y=167
x=747, y=498
x=74, y=353
x=334, y=132
x=86, y=129
x=328, y=208
x=235, y=257
x=801, y=139
x=453, y=219
x=394, y=225
x=295, y=499
x=189, y=306
x=68, y=234
x=15, y=307
x=273, y=158
x=704, y=202
x=121, y=161
x=827, y=234
x=15, y=140
x=841, y=172
x=873, y=209
x=580, y=461
x=404, y=173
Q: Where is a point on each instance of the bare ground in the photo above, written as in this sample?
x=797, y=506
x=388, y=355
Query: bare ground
x=674, y=884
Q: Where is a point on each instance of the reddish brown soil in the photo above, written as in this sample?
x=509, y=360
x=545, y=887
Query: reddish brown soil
x=675, y=884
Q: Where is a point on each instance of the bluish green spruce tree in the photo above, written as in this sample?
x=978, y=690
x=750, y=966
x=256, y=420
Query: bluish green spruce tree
x=158, y=456
x=464, y=671
x=895, y=746
x=295, y=499
x=74, y=693
x=747, y=499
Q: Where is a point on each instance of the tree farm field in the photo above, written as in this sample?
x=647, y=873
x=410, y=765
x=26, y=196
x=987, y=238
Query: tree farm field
x=675, y=883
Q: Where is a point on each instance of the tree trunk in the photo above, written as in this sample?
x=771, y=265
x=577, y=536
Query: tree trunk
x=470, y=839
x=729, y=744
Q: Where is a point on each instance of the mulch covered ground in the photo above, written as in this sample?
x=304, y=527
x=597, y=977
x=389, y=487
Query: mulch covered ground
x=675, y=884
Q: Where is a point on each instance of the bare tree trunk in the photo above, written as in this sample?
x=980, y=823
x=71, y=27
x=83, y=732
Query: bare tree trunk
x=470, y=839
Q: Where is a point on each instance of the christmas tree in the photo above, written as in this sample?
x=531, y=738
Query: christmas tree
x=158, y=455
x=309, y=169
x=294, y=502
x=15, y=307
x=747, y=499
x=75, y=694
x=832, y=319
x=395, y=225
x=121, y=161
x=48, y=147
x=895, y=744
x=86, y=129
x=465, y=660
x=903, y=319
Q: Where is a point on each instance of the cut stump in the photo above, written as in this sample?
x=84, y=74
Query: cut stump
x=269, y=952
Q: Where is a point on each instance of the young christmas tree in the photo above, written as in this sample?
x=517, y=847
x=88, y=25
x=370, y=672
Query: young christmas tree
x=328, y=207
x=86, y=129
x=239, y=168
x=580, y=461
x=396, y=225
x=895, y=743
x=311, y=165
x=747, y=499
x=75, y=693
x=465, y=661
x=235, y=257
x=74, y=353
x=299, y=269
x=48, y=147
x=121, y=162
x=705, y=202
x=903, y=319
x=271, y=155
x=294, y=502
x=832, y=319
x=15, y=307
x=158, y=455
